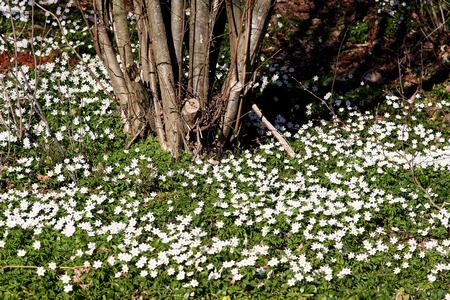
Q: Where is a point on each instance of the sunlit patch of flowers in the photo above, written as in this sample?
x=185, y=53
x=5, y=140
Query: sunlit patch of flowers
x=14, y=9
x=67, y=101
x=324, y=216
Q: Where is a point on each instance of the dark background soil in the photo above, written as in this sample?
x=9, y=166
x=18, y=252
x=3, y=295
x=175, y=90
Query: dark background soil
x=358, y=50
x=411, y=43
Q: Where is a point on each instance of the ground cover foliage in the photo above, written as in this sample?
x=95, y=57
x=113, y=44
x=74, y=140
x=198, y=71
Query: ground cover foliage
x=361, y=211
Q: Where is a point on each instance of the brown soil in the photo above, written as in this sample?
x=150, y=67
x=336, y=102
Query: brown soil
x=9, y=59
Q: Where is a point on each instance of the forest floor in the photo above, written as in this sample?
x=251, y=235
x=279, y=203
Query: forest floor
x=361, y=212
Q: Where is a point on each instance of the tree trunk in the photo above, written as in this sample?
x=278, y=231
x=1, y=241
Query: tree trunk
x=199, y=54
x=246, y=35
x=177, y=27
x=170, y=103
x=133, y=98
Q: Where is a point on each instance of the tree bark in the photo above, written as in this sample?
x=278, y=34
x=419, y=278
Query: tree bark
x=234, y=16
x=245, y=40
x=121, y=34
x=199, y=55
x=177, y=27
x=170, y=104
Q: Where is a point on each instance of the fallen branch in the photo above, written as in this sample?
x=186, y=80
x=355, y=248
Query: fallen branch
x=274, y=131
x=2, y=268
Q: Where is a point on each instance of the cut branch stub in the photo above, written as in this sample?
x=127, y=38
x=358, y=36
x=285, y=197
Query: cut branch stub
x=190, y=109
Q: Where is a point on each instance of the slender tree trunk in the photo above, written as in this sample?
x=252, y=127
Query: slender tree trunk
x=132, y=95
x=177, y=27
x=170, y=103
x=199, y=56
x=121, y=34
x=245, y=39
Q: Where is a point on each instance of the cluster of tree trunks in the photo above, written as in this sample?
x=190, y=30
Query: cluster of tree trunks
x=166, y=89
